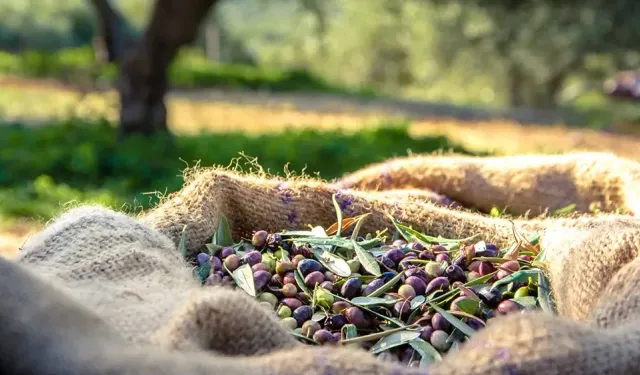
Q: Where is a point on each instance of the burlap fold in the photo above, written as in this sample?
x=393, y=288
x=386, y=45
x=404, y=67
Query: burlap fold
x=128, y=279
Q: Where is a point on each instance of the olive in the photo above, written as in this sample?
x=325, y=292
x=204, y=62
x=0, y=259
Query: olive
x=323, y=337
x=426, y=255
x=281, y=253
x=289, y=322
x=425, y=333
x=269, y=261
x=418, y=285
x=396, y=255
x=261, y=279
x=216, y=264
x=354, y=265
x=511, y=265
x=284, y=267
x=290, y=278
x=372, y=286
x=476, y=325
x=259, y=239
x=306, y=266
x=259, y=267
x=406, y=356
x=438, y=322
x=433, y=269
x=455, y=273
x=460, y=261
x=266, y=305
x=297, y=259
x=486, y=268
x=277, y=279
x=328, y=285
x=310, y=327
x=443, y=257
x=339, y=306
x=401, y=308
x=417, y=272
x=284, y=312
x=274, y=240
x=337, y=336
x=399, y=243
x=490, y=296
x=407, y=291
x=329, y=276
x=439, y=340
x=302, y=314
x=226, y=251
x=293, y=303
x=252, y=257
x=269, y=297
x=387, y=262
x=386, y=276
x=213, y=279
x=289, y=290
x=526, y=258
x=490, y=251
x=508, y=306
x=439, y=283
x=227, y=280
x=473, y=275
x=302, y=296
x=521, y=292
x=415, y=246
x=474, y=266
x=502, y=274
x=202, y=258
x=335, y=322
x=438, y=249
x=323, y=298
x=355, y=316
x=351, y=287
x=232, y=262
x=315, y=277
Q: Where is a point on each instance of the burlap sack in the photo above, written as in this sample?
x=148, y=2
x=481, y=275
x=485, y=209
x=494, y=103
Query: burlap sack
x=137, y=310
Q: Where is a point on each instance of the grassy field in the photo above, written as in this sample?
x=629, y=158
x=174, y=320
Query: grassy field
x=239, y=121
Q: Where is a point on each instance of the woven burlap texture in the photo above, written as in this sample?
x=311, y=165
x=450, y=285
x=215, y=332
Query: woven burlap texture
x=141, y=310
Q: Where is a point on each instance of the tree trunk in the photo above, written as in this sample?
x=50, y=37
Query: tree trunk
x=143, y=72
x=113, y=32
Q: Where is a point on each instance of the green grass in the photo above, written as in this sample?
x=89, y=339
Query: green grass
x=43, y=168
x=190, y=70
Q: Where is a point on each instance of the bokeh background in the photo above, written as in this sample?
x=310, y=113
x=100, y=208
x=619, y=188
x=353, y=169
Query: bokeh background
x=321, y=87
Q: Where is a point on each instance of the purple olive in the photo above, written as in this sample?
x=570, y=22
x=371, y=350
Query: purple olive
x=406, y=356
x=261, y=279
x=216, y=264
x=227, y=280
x=259, y=267
x=337, y=336
x=511, y=265
x=415, y=246
x=213, y=279
x=418, y=285
x=292, y=303
x=439, y=283
x=460, y=261
x=508, y=306
x=302, y=314
x=202, y=258
x=355, y=316
x=329, y=276
x=438, y=249
x=387, y=262
x=252, y=257
x=277, y=279
x=417, y=272
x=315, y=277
x=474, y=266
x=284, y=267
x=372, y=286
x=335, y=322
x=309, y=328
x=226, y=251
x=455, y=273
x=502, y=274
x=486, y=268
x=290, y=278
x=426, y=255
x=351, y=287
x=324, y=337
x=443, y=257
x=490, y=296
x=289, y=290
x=401, y=308
x=526, y=258
x=396, y=255
x=259, y=239
x=438, y=322
x=328, y=285
x=425, y=333
x=490, y=251
x=306, y=266
x=439, y=340
x=476, y=325
x=339, y=306
x=232, y=262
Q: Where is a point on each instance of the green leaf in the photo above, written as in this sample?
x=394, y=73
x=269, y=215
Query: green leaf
x=182, y=246
x=318, y=316
x=428, y=354
x=203, y=271
x=213, y=249
x=545, y=297
x=350, y=331
x=413, y=235
x=332, y=262
x=417, y=302
x=338, y=242
x=338, y=214
x=223, y=234
x=356, y=230
x=300, y=281
x=468, y=305
x=528, y=302
x=518, y=276
x=243, y=276
x=373, y=301
x=459, y=324
x=386, y=286
x=367, y=260
x=394, y=340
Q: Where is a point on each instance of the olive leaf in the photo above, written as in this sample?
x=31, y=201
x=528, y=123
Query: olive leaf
x=428, y=354
x=528, y=302
x=417, y=302
x=338, y=214
x=223, y=236
x=411, y=234
x=367, y=260
x=545, y=298
x=300, y=281
x=213, y=248
x=373, y=301
x=518, y=276
x=332, y=262
x=350, y=331
x=386, y=286
x=356, y=230
x=468, y=305
x=318, y=316
x=459, y=324
x=243, y=276
x=182, y=245
x=203, y=271
x=394, y=340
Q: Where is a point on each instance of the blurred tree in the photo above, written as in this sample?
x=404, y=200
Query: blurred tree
x=144, y=62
